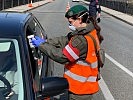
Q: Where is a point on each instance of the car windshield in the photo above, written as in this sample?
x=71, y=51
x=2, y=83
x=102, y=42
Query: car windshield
x=11, y=83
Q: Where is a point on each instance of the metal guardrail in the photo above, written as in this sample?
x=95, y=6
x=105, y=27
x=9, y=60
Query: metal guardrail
x=5, y=4
x=124, y=6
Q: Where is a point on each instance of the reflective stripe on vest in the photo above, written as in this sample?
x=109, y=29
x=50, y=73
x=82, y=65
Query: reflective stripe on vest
x=80, y=78
x=84, y=63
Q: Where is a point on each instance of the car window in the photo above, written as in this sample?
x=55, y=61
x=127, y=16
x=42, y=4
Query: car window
x=11, y=83
x=36, y=28
x=33, y=28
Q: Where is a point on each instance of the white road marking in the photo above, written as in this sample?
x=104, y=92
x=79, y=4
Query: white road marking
x=104, y=88
x=119, y=65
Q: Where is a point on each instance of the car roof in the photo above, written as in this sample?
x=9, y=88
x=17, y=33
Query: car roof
x=11, y=23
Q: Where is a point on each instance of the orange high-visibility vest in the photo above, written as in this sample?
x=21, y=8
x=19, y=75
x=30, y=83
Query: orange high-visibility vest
x=82, y=75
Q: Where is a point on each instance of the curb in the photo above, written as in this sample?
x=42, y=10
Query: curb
x=118, y=18
x=25, y=8
x=111, y=14
x=36, y=7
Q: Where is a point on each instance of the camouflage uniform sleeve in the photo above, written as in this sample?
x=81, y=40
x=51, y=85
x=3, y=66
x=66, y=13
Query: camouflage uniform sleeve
x=76, y=48
x=58, y=41
x=53, y=49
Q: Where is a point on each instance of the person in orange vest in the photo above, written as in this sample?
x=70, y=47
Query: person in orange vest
x=77, y=52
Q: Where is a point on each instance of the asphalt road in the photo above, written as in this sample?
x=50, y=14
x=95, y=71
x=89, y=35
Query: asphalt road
x=117, y=74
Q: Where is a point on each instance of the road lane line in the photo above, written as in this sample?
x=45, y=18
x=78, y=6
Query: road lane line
x=104, y=88
x=119, y=65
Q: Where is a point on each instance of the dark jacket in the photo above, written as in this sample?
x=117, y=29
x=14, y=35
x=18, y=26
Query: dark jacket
x=94, y=7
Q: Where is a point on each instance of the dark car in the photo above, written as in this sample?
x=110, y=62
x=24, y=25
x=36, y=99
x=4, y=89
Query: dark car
x=24, y=70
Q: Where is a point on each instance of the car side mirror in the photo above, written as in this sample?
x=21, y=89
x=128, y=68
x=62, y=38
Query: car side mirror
x=52, y=86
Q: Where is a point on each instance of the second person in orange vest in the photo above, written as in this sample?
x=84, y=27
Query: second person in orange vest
x=77, y=52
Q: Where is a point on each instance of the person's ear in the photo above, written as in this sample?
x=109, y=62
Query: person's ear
x=80, y=20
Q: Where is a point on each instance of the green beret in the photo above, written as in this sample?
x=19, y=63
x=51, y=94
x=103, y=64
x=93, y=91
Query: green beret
x=77, y=9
